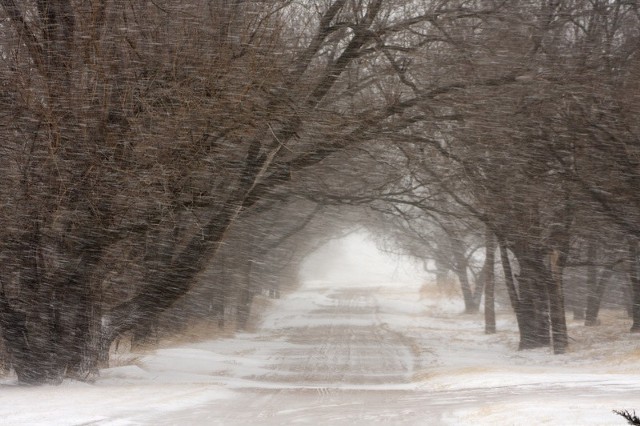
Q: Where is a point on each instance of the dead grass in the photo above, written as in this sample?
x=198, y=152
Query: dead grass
x=122, y=352
x=122, y=360
x=446, y=289
x=194, y=333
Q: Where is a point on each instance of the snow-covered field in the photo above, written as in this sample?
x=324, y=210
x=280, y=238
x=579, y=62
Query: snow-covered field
x=343, y=355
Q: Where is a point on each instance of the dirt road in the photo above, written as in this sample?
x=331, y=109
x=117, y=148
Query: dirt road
x=348, y=344
x=339, y=363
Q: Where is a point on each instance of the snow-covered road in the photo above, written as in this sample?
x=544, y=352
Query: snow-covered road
x=352, y=356
x=344, y=342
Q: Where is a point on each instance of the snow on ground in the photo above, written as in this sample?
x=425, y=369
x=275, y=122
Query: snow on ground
x=334, y=353
x=355, y=356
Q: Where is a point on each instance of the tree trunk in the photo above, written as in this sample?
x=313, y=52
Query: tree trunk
x=579, y=312
x=14, y=330
x=55, y=338
x=470, y=306
x=594, y=297
x=245, y=298
x=534, y=299
x=514, y=298
x=560, y=338
x=219, y=297
x=52, y=329
x=441, y=274
x=32, y=319
x=489, y=284
x=634, y=281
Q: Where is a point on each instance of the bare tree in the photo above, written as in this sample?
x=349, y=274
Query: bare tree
x=149, y=129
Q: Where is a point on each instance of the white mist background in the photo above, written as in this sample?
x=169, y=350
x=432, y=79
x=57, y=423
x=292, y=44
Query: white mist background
x=356, y=261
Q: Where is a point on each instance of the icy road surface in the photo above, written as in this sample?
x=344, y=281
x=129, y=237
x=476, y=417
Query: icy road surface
x=353, y=356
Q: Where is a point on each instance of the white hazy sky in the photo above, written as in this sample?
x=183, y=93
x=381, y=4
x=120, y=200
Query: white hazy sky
x=355, y=260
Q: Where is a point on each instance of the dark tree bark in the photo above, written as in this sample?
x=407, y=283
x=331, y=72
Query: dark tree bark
x=489, y=284
x=534, y=297
x=595, y=286
x=579, y=311
x=471, y=306
x=532, y=314
x=514, y=298
x=594, y=298
x=634, y=281
x=560, y=338
x=53, y=329
x=246, y=297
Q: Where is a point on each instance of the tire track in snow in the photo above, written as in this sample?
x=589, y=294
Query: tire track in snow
x=352, y=346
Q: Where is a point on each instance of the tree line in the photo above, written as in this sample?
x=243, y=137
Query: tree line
x=148, y=142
